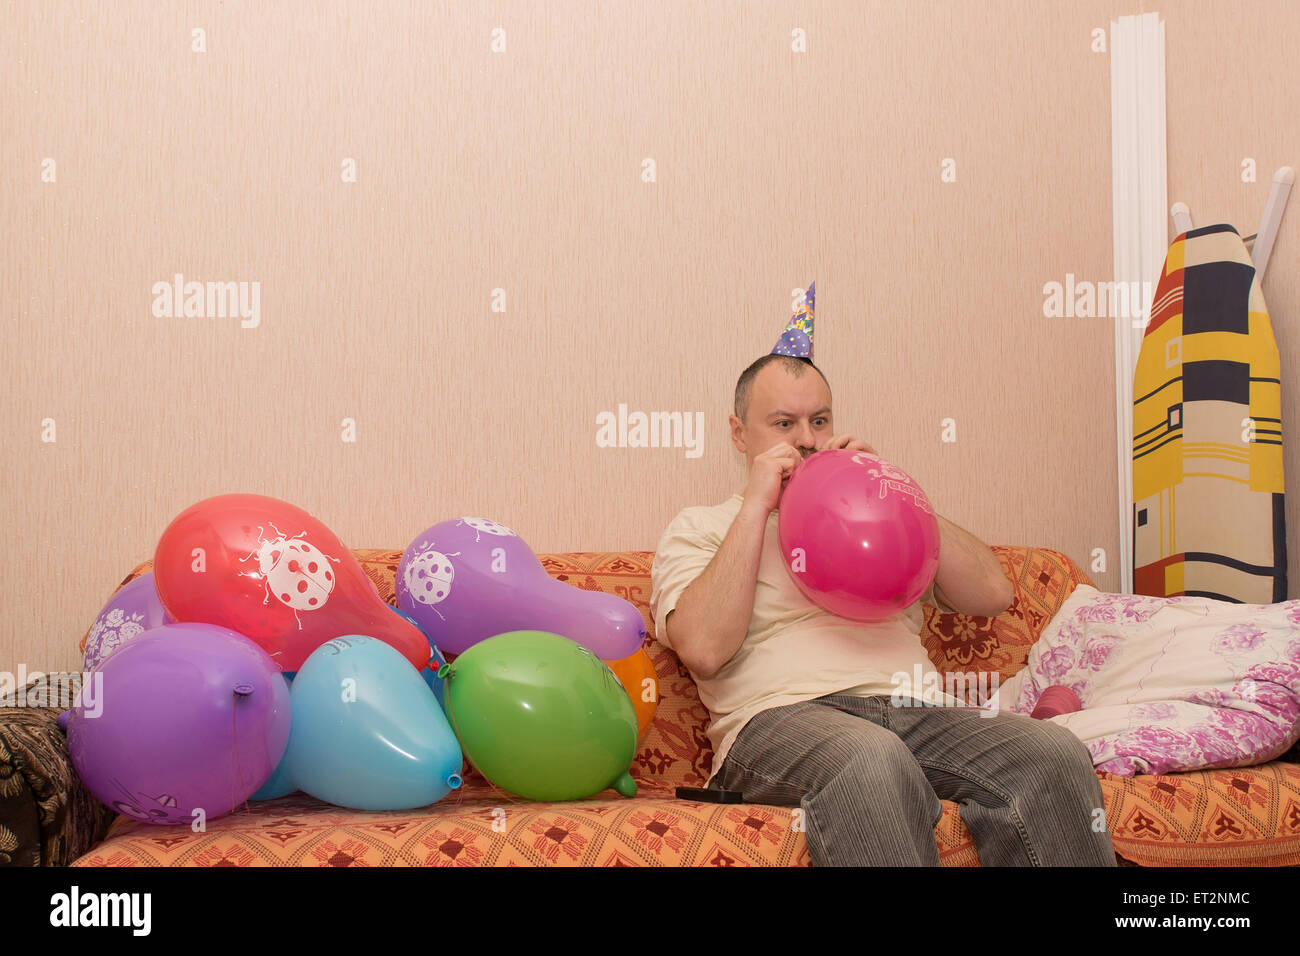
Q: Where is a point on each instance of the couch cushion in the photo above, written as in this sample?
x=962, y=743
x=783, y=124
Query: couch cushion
x=480, y=825
x=1042, y=579
x=1246, y=817
x=471, y=827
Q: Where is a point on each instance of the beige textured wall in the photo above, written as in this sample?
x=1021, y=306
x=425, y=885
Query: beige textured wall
x=523, y=171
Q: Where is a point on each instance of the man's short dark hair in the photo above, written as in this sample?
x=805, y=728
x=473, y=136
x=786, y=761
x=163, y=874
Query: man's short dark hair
x=794, y=364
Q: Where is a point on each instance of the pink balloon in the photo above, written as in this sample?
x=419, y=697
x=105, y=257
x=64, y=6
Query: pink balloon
x=1054, y=701
x=858, y=535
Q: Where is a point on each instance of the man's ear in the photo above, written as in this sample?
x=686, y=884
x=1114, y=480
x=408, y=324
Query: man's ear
x=737, y=432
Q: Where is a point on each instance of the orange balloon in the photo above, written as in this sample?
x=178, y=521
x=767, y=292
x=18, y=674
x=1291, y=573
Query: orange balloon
x=632, y=672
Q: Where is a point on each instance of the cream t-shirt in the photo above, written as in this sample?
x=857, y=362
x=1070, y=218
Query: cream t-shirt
x=794, y=650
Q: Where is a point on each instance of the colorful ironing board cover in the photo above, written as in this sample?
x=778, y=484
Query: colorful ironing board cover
x=1207, y=514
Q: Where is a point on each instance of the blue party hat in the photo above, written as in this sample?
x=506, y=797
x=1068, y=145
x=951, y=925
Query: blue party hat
x=797, y=339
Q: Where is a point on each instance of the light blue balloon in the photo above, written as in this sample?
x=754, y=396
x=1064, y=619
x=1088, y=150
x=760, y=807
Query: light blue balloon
x=367, y=732
x=430, y=672
x=280, y=783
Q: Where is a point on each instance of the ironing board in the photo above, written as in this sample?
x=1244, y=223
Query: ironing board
x=1208, y=516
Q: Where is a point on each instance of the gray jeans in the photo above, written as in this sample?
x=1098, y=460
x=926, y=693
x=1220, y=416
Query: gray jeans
x=869, y=777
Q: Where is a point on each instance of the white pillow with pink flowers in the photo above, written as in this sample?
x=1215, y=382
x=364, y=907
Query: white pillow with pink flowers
x=1168, y=684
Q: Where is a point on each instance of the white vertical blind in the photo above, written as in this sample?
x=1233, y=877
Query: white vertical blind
x=1139, y=204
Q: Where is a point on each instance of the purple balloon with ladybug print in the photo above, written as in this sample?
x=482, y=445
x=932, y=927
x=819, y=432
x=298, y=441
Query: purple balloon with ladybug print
x=468, y=579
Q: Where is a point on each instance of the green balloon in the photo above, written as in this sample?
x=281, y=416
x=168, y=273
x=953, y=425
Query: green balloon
x=542, y=716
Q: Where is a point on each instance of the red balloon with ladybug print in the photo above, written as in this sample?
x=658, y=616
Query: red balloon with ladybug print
x=272, y=572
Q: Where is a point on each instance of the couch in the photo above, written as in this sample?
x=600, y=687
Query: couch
x=1238, y=817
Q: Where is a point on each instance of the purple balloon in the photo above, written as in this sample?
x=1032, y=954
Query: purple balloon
x=184, y=717
x=469, y=579
x=133, y=609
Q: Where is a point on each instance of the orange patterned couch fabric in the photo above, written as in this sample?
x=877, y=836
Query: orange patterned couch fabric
x=1242, y=817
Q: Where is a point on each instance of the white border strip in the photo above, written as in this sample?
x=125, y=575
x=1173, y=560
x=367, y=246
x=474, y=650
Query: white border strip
x=1138, y=204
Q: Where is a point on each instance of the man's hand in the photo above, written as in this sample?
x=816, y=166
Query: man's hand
x=768, y=475
x=847, y=441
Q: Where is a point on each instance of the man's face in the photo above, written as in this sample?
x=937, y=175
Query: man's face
x=784, y=408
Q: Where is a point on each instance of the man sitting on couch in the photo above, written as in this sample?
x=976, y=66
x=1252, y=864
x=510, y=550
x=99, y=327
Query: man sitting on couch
x=800, y=697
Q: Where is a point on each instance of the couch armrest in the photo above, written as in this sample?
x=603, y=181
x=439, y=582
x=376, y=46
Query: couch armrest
x=47, y=816
x=1042, y=579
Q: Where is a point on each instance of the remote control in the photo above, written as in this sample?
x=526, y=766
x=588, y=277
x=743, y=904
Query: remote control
x=710, y=796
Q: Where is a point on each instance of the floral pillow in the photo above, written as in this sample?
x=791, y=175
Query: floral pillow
x=1168, y=684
